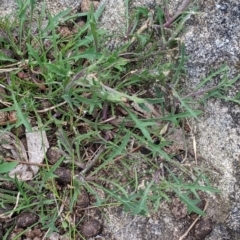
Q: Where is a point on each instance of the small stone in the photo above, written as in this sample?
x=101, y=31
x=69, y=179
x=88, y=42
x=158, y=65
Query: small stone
x=64, y=175
x=219, y=232
x=64, y=31
x=78, y=26
x=8, y=185
x=26, y=219
x=18, y=131
x=86, y=5
x=54, y=236
x=45, y=104
x=3, y=117
x=91, y=228
x=34, y=234
x=178, y=209
x=83, y=199
x=233, y=221
x=53, y=155
x=202, y=228
x=12, y=116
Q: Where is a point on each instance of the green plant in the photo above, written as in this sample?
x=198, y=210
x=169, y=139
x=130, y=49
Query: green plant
x=98, y=113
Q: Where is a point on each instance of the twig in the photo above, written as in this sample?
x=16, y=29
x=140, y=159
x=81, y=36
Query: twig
x=194, y=222
x=104, y=111
x=90, y=178
x=145, y=25
x=24, y=162
x=108, y=120
x=179, y=12
x=143, y=28
x=10, y=214
x=94, y=160
x=199, y=93
x=51, y=108
x=132, y=151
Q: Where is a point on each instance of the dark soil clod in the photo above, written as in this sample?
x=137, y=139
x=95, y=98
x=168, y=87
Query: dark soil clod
x=53, y=155
x=26, y=219
x=91, y=228
x=64, y=175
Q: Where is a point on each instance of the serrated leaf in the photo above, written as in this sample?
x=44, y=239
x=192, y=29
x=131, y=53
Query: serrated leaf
x=57, y=70
x=89, y=54
x=191, y=204
x=142, y=208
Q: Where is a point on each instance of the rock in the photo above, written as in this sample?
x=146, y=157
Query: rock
x=202, y=228
x=83, y=199
x=3, y=117
x=53, y=155
x=233, y=220
x=34, y=234
x=8, y=185
x=91, y=228
x=26, y=219
x=64, y=175
x=219, y=232
x=86, y=5
x=178, y=209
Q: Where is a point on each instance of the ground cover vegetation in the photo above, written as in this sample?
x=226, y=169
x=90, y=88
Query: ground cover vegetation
x=108, y=119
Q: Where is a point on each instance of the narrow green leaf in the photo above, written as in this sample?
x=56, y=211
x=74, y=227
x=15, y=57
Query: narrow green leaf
x=191, y=204
x=192, y=112
x=56, y=69
x=89, y=54
x=34, y=54
x=117, y=151
x=4, y=57
x=7, y=167
x=142, y=208
x=142, y=125
x=20, y=115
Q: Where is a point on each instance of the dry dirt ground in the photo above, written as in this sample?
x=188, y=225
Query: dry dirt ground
x=211, y=39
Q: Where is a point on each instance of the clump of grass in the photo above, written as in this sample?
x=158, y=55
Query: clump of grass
x=91, y=103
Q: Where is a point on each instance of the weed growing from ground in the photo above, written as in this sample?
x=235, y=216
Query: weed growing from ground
x=109, y=116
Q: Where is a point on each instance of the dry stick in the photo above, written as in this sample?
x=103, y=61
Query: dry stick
x=132, y=151
x=199, y=93
x=10, y=214
x=179, y=11
x=108, y=120
x=39, y=164
x=195, y=148
x=24, y=162
x=194, y=145
x=51, y=108
x=91, y=164
x=189, y=229
x=89, y=178
x=143, y=28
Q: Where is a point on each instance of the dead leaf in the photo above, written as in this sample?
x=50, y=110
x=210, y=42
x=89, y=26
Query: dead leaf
x=38, y=144
x=16, y=149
